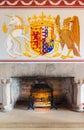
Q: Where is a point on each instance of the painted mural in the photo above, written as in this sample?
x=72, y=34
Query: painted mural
x=43, y=35
x=41, y=31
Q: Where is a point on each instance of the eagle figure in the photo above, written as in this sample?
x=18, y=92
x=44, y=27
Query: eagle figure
x=69, y=35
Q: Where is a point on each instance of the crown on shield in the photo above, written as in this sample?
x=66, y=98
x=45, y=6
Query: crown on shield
x=41, y=20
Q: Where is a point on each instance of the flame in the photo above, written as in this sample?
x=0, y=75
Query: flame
x=42, y=99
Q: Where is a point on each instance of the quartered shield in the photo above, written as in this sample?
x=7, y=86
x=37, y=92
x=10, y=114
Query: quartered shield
x=42, y=40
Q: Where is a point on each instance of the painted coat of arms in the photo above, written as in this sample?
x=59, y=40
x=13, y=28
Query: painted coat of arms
x=42, y=35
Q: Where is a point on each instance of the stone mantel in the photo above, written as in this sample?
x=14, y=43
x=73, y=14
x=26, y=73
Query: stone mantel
x=8, y=70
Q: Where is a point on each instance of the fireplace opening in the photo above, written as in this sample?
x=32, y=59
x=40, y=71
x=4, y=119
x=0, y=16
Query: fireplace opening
x=42, y=94
x=44, y=90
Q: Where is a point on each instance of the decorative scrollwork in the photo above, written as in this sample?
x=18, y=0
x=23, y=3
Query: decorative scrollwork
x=55, y=3
x=69, y=3
x=40, y=3
x=26, y=3
x=2, y=3
x=12, y=3
x=81, y=2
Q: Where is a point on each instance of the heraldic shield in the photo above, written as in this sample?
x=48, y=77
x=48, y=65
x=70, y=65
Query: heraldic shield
x=42, y=41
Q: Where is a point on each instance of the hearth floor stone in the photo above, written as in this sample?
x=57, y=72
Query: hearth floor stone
x=60, y=118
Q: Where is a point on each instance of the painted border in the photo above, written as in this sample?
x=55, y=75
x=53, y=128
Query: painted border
x=41, y=4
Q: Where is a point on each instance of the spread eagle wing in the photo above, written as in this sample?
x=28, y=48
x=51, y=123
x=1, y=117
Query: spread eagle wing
x=57, y=20
x=70, y=34
x=58, y=30
x=75, y=29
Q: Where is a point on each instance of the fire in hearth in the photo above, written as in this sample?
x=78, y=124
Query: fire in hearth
x=42, y=94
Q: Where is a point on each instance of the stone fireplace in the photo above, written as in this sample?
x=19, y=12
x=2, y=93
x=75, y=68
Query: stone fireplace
x=42, y=88
x=18, y=81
